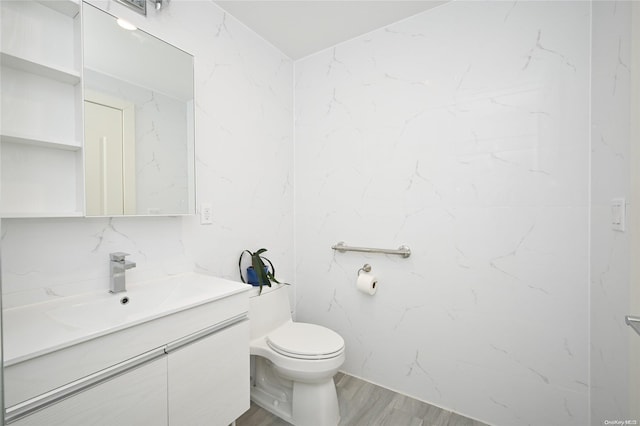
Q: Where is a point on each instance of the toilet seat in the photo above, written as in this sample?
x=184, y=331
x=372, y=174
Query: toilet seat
x=305, y=341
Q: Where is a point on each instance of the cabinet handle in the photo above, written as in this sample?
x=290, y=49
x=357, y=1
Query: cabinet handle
x=29, y=406
x=184, y=341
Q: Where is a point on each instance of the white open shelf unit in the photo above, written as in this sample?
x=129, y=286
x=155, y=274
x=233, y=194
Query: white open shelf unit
x=41, y=122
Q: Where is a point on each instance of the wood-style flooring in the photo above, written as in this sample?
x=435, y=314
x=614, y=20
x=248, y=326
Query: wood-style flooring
x=365, y=404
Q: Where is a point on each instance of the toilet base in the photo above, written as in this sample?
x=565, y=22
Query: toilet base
x=272, y=405
x=315, y=404
x=302, y=404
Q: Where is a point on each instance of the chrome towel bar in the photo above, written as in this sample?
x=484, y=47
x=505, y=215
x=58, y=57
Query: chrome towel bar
x=403, y=250
x=633, y=322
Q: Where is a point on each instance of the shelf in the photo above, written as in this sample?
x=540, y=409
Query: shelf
x=64, y=75
x=26, y=215
x=41, y=142
x=67, y=7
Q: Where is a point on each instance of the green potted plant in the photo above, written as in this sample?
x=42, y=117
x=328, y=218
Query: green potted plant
x=258, y=274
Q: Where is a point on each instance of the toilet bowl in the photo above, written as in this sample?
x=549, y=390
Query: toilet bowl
x=293, y=363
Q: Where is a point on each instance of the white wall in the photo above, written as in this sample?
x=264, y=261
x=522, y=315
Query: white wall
x=610, y=178
x=462, y=132
x=244, y=142
x=634, y=149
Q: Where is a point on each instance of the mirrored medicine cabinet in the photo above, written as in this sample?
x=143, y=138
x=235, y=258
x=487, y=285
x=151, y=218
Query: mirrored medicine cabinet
x=138, y=121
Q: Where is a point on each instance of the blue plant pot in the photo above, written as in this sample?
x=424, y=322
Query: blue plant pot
x=252, y=277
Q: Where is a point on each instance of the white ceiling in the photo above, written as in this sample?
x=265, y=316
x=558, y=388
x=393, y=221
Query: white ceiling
x=302, y=27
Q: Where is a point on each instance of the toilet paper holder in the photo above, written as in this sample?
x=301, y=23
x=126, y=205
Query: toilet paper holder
x=365, y=268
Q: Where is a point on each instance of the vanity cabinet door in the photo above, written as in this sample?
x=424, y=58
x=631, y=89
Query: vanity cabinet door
x=136, y=398
x=209, y=379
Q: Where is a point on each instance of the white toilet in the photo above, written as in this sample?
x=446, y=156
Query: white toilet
x=293, y=363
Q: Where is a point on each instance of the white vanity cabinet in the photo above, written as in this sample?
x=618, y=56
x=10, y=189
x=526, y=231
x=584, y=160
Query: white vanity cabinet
x=204, y=382
x=40, y=121
x=183, y=359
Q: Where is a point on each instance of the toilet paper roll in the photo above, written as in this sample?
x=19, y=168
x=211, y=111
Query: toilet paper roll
x=367, y=283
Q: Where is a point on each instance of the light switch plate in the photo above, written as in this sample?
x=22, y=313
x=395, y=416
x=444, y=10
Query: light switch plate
x=618, y=214
x=206, y=214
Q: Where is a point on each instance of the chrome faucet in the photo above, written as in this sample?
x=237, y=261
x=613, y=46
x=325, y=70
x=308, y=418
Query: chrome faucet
x=117, y=268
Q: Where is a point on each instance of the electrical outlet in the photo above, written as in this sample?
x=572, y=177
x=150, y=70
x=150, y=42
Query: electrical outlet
x=206, y=214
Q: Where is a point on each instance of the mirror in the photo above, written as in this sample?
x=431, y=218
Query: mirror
x=138, y=119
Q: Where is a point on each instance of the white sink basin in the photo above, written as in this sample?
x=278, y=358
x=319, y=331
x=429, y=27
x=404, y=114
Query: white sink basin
x=139, y=302
x=49, y=345
x=33, y=330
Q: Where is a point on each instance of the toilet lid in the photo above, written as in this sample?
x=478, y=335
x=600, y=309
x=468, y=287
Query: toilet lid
x=307, y=341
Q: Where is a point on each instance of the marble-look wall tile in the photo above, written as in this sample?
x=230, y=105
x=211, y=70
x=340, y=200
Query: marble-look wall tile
x=48, y=258
x=244, y=163
x=610, y=178
x=462, y=132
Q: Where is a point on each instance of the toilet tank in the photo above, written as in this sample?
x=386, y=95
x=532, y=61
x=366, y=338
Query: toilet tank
x=268, y=310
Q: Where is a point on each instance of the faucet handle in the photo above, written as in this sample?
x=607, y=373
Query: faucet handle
x=118, y=256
